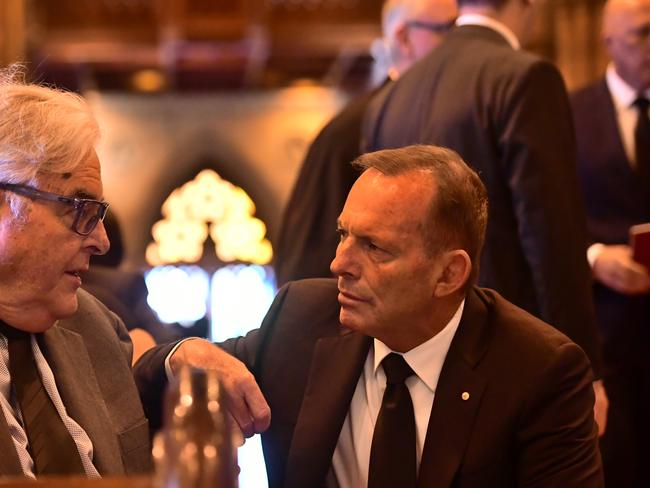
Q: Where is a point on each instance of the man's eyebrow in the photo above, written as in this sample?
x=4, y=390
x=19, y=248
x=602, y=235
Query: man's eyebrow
x=84, y=194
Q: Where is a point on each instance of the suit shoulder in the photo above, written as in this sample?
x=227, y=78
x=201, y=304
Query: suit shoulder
x=502, y=58
x=584, y=98
x=309, y=292
x=514, y=325
x=304, y=306
x=88, y=303
x=91, y=314
x=523, y=350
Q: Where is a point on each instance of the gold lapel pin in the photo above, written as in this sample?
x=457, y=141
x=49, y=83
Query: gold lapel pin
x=465, y=396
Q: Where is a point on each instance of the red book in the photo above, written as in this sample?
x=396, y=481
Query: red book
x=640, y=243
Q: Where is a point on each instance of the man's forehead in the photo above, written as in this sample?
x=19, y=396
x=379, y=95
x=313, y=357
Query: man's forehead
x=417, y=179
x=401, y=199
x=83, y=181
x=441, y=10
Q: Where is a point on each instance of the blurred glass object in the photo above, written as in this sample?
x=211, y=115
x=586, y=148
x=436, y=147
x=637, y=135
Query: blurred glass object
x=197, y=447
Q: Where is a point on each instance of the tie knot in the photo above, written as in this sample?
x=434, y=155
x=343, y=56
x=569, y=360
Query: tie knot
x=642, y=103
x=396, y=368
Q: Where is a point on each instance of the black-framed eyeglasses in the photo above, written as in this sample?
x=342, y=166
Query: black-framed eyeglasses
x=88, y=213
x=435, y=27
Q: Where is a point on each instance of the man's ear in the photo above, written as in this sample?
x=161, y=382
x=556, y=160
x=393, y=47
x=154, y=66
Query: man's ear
x=456, y=269
x=401, y=40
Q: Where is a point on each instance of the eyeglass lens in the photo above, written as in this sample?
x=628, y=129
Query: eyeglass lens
x=89, y=215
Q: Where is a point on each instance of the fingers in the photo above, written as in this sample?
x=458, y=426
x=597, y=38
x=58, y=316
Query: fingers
x=247, y=404
x=615, y=268
x=601, y=407
x=241, y=393
x=259, y=410
x=630, y=278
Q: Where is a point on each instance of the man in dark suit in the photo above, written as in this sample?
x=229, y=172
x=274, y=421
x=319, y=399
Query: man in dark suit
x=506, y=112
x=616, y=188
x=307, y=240
x=68, y=400
x=497, y=397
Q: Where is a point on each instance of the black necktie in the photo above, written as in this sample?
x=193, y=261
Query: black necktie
x=50, y=443
x=642, y=140
x=392, y=455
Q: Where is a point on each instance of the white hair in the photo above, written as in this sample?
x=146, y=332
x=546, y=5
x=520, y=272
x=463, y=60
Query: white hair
x=42, y=130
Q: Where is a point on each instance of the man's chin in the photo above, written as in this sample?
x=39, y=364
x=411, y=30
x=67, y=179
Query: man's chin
x=65, y=308
x=347, y=320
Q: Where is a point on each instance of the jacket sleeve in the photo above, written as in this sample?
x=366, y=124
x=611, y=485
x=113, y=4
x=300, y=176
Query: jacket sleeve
x=558, y=438
x=551, y=223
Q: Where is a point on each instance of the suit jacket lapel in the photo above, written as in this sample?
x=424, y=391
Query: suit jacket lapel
x=76, y=382
x=323, y=408
x=457, y=398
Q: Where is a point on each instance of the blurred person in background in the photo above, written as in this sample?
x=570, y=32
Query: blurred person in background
x=613, y=135
x=506, y=112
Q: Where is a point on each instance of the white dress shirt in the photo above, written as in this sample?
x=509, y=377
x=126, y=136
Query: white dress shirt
x=351, y=459
x=623, y=97
x=490, y=23
x=11, y=411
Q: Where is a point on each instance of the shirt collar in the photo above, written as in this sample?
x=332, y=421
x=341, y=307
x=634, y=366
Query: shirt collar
x=490, y=23
x=425, y=360
x=622, y=93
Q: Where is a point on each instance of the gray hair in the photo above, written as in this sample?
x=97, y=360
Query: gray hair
x=42, y=130
x=457, y=218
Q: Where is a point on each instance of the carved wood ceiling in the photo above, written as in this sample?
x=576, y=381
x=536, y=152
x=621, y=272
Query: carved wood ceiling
x=178, y=45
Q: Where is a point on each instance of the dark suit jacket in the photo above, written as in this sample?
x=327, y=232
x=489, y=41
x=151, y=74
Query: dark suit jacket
x=506, y=113
x=308, y=239
x=90, y=356
x=615, y=199
x=528, y=421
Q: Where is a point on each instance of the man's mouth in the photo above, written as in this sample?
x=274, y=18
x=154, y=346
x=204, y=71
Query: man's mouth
x=76, y=274
x=347, y=298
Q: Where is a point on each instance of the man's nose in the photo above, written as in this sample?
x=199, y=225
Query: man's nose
x=98, y=239
x=344, y=262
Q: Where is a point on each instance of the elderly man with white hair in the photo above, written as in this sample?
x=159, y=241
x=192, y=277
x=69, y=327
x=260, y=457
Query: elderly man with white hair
x=68, y=400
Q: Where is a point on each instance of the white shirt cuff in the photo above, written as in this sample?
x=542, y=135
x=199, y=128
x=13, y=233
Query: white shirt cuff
x=168, y=368
x=593, y=252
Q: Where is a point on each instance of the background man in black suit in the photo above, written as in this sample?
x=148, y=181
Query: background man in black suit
x=616, y=188
x=506, y=112
x=496, y=397
x=307, y=239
